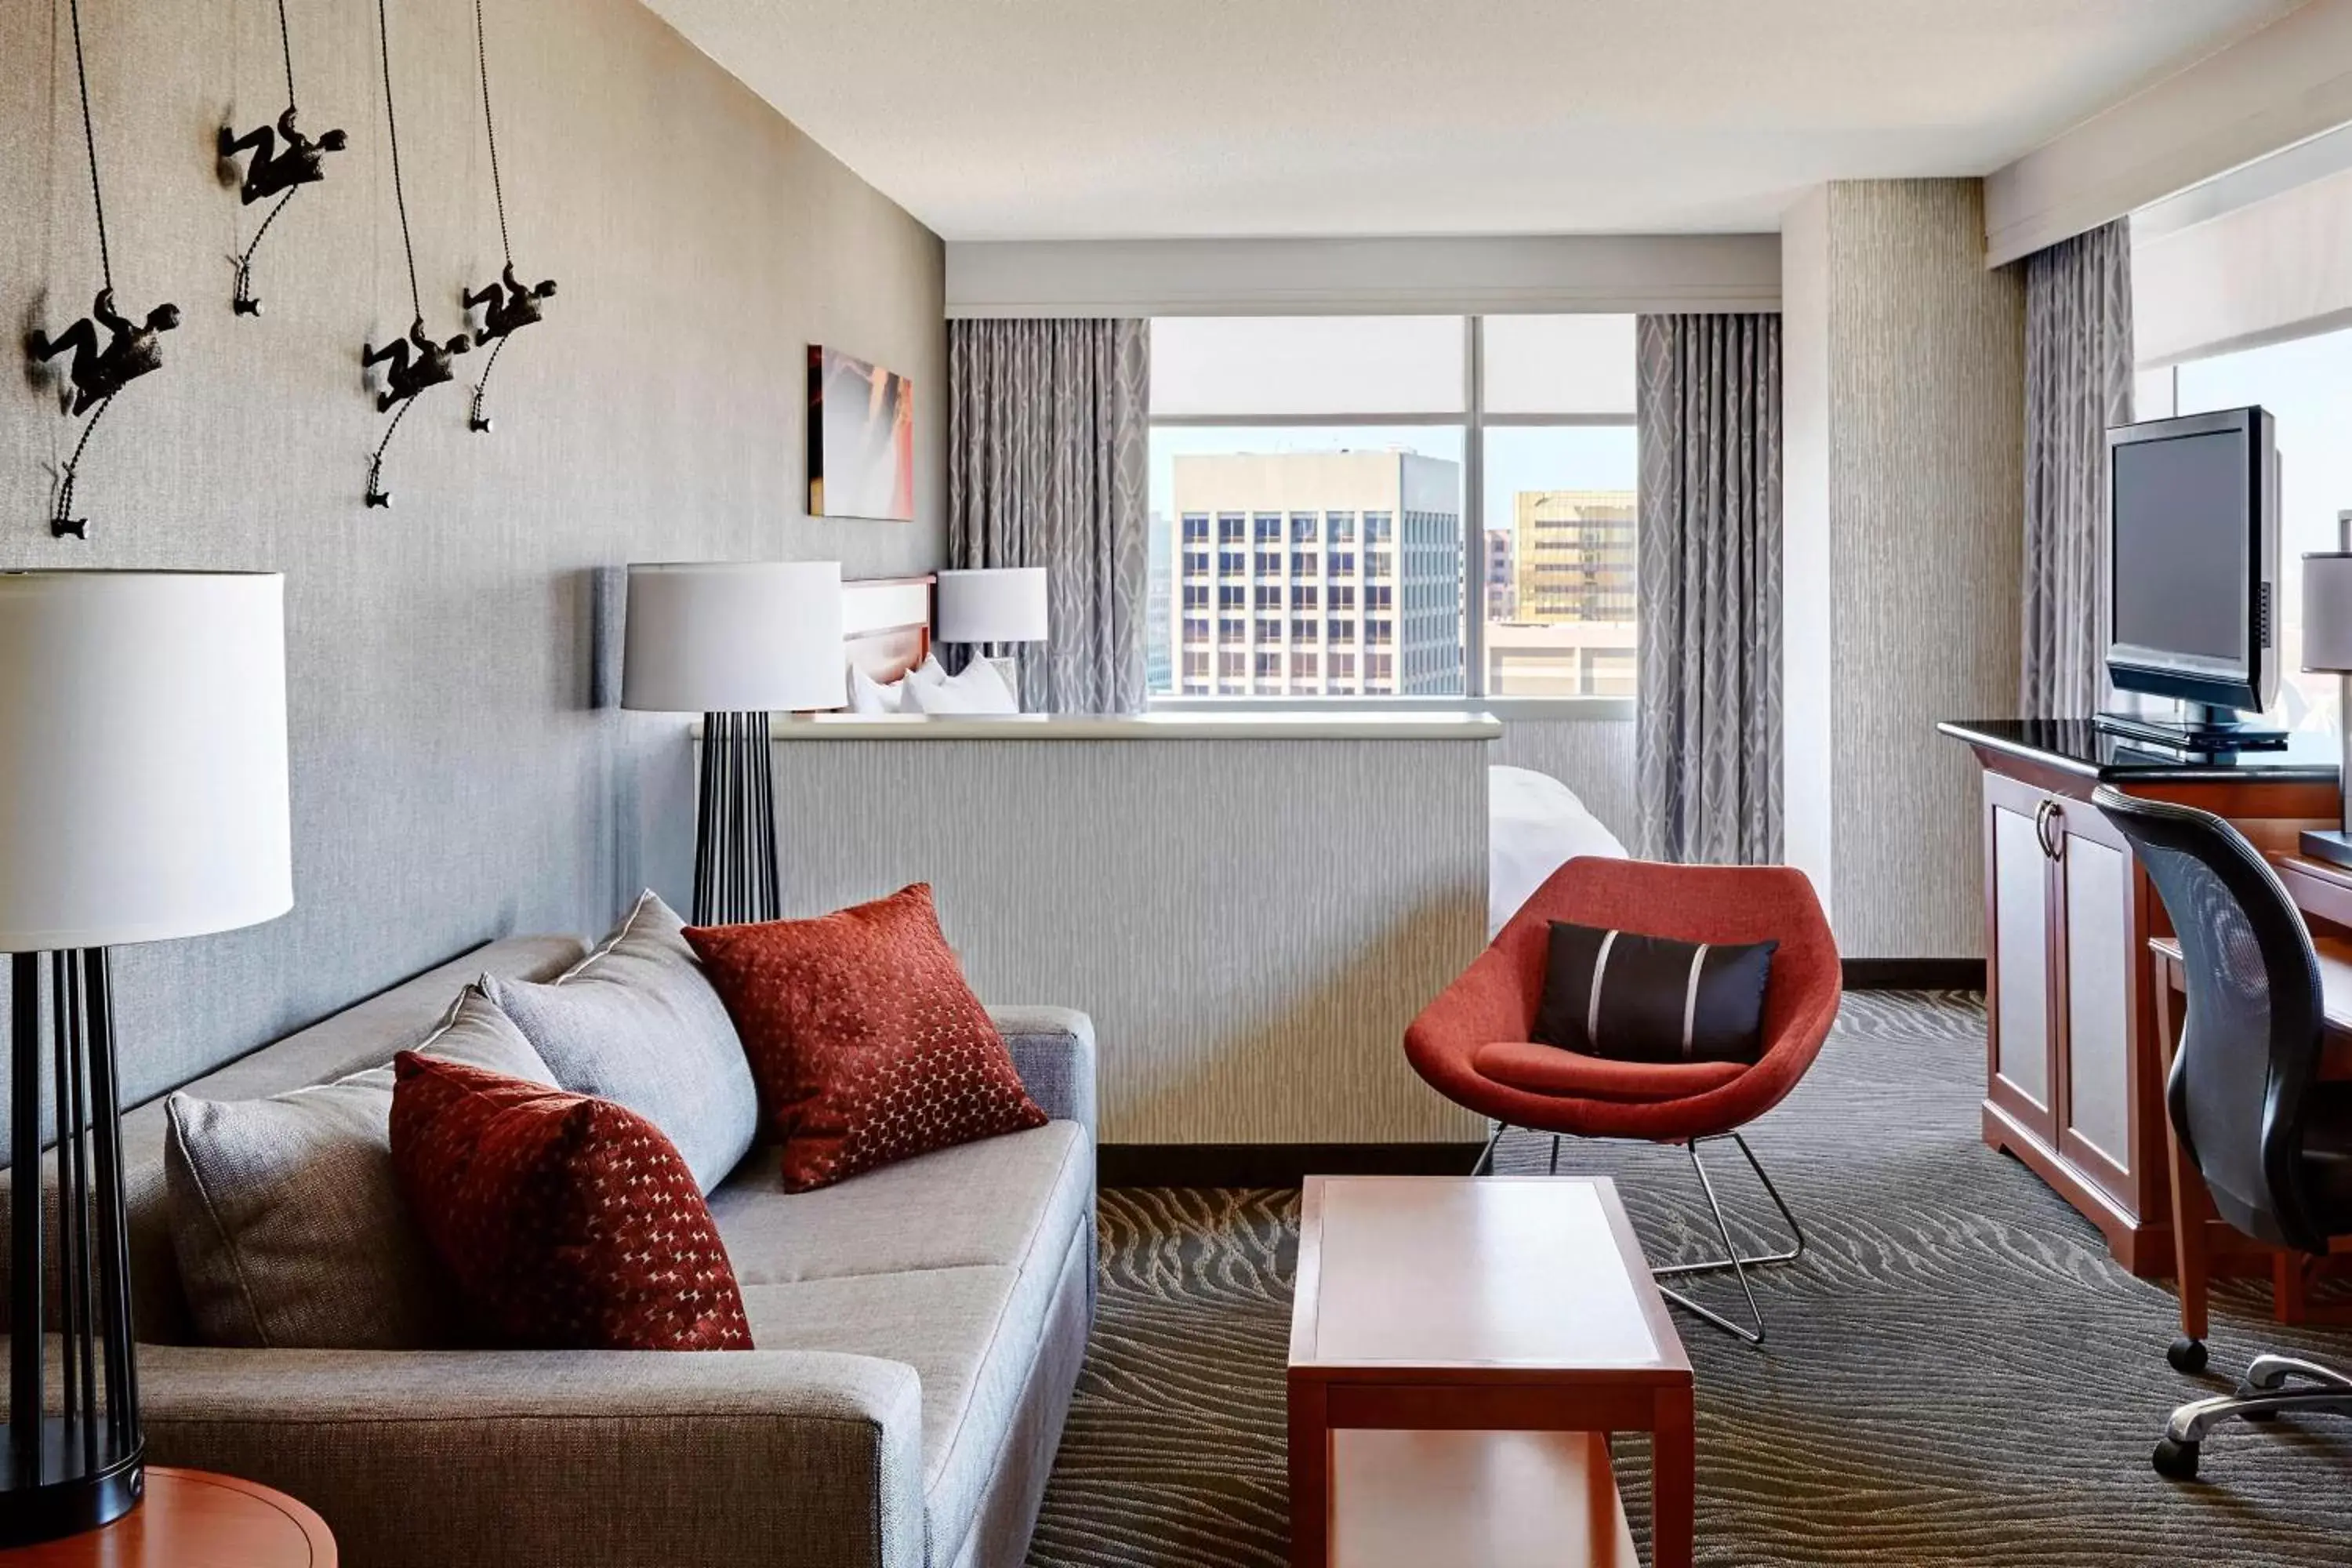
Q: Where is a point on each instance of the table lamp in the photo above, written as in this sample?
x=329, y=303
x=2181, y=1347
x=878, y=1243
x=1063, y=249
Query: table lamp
x=734, y=640
x=142, y=798
x=993, y=607
x=2327, y=647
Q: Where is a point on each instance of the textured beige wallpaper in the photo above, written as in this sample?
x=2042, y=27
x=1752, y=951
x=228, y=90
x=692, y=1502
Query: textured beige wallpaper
x=1926, y=431
x=1250, y=923
x=453, y=780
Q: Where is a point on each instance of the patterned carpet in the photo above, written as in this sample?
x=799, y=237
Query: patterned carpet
x=1957, y=1373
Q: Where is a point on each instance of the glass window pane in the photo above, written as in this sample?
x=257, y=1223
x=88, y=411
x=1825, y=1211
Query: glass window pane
x=1399, y=484
x=2307, y=385
x=1306, y=365
x=1557, y=561
x=1559, y=365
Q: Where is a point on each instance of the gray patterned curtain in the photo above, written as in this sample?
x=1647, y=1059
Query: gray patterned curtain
x=1046, y=467
x=1708, y=702
x=2078, y=381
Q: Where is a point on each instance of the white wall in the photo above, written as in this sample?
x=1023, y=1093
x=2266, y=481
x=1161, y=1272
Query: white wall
x=1321, y=277
x=1807, y=686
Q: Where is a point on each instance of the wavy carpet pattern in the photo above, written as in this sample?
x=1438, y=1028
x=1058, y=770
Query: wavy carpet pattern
x=1957, y=1373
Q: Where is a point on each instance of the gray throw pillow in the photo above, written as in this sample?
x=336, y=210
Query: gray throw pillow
x=287, y=1218
x=637, y=1023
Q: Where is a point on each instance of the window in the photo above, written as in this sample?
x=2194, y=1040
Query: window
x=1196, y=562
x=2307, y=385
x=1196, y=630
x=1232, y=596
x=1333, y=453
x=1196, y=595
x=1196, y=663
x=1232, y=628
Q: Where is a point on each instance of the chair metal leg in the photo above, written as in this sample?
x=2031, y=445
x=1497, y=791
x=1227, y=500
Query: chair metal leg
x=1485, y=1164
x=1555, y=1155
x=1736, y=1261
x=2266, y=1392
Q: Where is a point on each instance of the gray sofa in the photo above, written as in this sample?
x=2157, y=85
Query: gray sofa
x=920, y=1330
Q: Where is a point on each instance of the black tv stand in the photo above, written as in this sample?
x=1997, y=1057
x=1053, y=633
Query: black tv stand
x=2200, y=732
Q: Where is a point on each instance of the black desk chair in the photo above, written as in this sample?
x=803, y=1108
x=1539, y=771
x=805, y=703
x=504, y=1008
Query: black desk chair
x=2273, y=1143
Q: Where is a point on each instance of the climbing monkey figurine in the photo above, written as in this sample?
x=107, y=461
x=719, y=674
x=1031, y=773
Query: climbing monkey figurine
x=274, y=168
x=417, y=362
x=515, y=305
x=133, y=349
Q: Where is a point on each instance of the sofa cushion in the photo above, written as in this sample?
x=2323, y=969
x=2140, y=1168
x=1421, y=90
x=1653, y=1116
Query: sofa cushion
x=1002, y=1200
x=566, y=1222
x=972, y=1335
x=286, y=1222
x=636, y=1022
x=868, y=1046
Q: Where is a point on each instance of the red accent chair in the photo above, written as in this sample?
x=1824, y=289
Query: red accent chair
x=1471, y=1042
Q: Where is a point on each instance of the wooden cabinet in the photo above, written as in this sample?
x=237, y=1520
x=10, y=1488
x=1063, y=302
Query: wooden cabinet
x=2064, y=916
x=2074, y=1068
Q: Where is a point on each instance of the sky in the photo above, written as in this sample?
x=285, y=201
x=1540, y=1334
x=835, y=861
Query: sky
x=1518, y=457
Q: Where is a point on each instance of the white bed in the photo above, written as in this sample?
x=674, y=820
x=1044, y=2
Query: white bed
x=1536, y=824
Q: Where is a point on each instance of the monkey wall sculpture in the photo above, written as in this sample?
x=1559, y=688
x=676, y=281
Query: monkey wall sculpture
x=513, y=304
x=277, y=167
x=131, y=349
x=417, y=361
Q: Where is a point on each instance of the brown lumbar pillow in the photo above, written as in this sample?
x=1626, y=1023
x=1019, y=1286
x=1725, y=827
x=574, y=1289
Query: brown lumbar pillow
x=565, y=1222
x=866, y=1042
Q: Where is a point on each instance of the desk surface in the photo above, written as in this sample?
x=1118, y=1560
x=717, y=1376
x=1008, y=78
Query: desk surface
x=2077, y=746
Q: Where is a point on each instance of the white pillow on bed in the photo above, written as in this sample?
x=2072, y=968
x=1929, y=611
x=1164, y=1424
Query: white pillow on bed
x=867, y=695
x=979, y=689
x=1535, y=825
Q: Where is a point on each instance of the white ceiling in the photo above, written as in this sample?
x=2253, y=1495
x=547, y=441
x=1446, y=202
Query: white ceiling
x=1140, y=119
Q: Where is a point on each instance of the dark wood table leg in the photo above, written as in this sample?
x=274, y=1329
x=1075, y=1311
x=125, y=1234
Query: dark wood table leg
x=1674, y=1480
x=1310, y=1476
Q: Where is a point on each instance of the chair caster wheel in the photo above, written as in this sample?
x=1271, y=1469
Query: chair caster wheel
x=2175, y=1461
x=2187, y=1355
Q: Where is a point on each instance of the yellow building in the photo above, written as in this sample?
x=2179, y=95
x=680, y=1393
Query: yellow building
x=1574, y=553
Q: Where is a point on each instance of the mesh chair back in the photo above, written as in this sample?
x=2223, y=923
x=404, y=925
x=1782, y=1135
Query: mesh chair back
x=2249, y=1047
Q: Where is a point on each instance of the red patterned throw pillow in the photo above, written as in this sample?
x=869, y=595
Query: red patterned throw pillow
x=865, y=1043
x=566, y=1222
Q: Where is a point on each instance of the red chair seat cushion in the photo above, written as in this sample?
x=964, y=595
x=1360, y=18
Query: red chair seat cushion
x=1546, y=1069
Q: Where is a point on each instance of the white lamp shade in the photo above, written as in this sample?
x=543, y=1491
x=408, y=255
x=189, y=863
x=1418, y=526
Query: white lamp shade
x=143, y=756
x=2328, y=612
x=734, y=636
x=1002, y=605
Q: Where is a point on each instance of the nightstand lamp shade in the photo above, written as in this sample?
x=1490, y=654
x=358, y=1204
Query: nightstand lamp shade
x=2328, y=646
x=142, y=797
x=734, y=641
x=1000, y=604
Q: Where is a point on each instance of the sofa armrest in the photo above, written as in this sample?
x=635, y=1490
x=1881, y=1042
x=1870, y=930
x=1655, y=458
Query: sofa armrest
x=542, y=1460
x=1054, y=1051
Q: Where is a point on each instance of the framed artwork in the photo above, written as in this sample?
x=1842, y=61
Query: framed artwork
x=861, y=438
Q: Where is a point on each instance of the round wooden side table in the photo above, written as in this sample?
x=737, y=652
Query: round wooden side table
x=191, y=1519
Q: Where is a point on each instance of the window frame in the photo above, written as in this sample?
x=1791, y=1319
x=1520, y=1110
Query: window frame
x=1474, y=420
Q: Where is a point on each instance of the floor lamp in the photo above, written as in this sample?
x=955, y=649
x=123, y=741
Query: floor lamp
x=142, y=797
x=734, y=641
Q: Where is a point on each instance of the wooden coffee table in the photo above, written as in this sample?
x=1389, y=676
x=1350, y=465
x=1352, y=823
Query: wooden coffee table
x=1456, y=1344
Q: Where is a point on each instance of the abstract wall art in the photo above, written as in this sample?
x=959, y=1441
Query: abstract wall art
x=861, y=438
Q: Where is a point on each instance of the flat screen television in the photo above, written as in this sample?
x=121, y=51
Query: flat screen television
x=2193, y=578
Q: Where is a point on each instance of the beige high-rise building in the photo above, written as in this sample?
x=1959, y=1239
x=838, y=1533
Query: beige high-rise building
x=1313, y=573
x=1570, y=628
